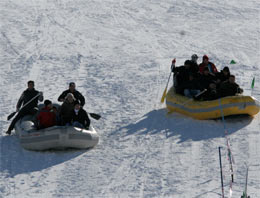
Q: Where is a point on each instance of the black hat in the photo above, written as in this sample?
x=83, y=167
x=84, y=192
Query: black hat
x=47, y=102
x=205, y=57
x=226, y=69
x=188, y=62
x=194, y=56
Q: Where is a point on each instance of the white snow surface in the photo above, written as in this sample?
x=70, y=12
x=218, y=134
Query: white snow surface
x=119, y=54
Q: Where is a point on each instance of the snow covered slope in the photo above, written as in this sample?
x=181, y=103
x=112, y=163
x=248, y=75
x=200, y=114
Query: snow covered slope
x=119, y=53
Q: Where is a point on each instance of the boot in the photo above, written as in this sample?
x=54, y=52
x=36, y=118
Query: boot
x=8, y=132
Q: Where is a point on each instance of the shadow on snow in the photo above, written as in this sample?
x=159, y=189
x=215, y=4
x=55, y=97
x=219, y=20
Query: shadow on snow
x=16, y=160
x=185, y=128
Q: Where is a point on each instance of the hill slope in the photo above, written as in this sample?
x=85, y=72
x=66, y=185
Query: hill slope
x=118, y=53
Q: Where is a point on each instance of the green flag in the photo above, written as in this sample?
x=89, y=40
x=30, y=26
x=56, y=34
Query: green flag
x=244, y=195
x=253, y=83
x=232, y=62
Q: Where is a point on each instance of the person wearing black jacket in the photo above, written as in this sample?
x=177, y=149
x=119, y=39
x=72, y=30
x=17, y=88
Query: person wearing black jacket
x=230, y=87
x=66, y=109
x=181, y=75
x=211, y=93
x=30, y=108
x=192, y=87
x=76, y=93
x=222, y=76
x=80, y=117
x=206, y=78
x=194, y=65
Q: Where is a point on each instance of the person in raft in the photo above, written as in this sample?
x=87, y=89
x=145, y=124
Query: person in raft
x=181, y=75
x=66, y=109
x=31, y=107
x=46, y=117
x=230, y=87
x=76, y=94
x=206, y=63
x=79, y=116
x=194, y=65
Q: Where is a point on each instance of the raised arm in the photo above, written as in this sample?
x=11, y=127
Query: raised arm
x=61, y=98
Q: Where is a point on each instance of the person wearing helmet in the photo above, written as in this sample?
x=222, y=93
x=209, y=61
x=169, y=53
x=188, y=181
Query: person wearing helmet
x=194, y=57
x=194, y=65
x=206, y=63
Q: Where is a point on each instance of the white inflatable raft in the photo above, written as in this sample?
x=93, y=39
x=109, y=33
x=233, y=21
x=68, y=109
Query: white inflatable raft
x=56, y=137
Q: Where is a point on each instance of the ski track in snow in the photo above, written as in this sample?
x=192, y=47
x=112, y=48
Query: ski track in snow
x=118, y=53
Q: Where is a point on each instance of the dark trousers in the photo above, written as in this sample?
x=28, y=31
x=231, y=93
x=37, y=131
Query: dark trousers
x=21, y=113
x=87, y=121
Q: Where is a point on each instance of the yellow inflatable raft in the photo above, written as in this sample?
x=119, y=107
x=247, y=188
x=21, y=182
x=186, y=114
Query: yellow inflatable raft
x=202, y=110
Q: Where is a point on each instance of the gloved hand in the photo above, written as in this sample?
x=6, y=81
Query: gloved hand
x=173, y=64
x=240, y=90
x=40, y=98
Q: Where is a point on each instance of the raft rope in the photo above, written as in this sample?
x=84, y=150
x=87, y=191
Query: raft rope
x=230, y=156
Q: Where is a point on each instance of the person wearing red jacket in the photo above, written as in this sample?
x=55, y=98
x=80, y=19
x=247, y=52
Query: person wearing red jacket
x=46, y=117
x=205, y=63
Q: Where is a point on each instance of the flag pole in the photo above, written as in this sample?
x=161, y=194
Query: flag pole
x=221, y=172
x=252, y=86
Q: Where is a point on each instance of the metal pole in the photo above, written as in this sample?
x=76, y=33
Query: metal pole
x=221, y=175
